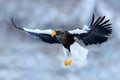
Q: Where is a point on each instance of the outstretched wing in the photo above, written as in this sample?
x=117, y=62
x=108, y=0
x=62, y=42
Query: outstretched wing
x=44, y=35
x=97, y=33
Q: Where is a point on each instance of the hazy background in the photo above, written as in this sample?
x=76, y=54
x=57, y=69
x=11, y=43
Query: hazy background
x=24, y=57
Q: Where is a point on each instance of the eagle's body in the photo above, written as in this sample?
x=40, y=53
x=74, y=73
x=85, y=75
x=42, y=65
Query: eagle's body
x=65, y=38
x=97, y=33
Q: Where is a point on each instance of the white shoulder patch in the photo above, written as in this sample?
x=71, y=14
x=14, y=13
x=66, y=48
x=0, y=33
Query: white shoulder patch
x=49, y=31
x=86, y=28
x=80, y=31
x=78, y=53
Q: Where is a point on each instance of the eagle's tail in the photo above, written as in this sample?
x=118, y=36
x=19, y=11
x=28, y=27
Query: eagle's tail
x=78, y=54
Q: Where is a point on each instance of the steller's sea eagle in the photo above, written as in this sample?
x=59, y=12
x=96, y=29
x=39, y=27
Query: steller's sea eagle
x=96, y=33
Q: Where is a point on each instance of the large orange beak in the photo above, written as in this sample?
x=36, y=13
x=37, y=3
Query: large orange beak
x=53, y=33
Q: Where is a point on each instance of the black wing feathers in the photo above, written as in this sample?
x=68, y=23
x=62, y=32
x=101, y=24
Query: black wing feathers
x=16, y=25
x=93, y=17
x=99, y=31
x=48, y=38
x=45, y=37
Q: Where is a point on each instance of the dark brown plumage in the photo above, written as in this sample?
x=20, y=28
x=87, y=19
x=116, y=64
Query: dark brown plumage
x=65, y=38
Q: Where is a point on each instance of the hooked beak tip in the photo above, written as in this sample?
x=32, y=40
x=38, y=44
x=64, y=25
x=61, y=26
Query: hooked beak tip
x=53, y=33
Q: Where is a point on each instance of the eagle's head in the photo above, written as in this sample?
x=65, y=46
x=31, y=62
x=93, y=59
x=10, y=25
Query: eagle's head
x=58, y=33
x=61, y=35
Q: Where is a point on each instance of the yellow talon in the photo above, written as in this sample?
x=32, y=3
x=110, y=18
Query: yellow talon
x=69, y=63
x=65, y=63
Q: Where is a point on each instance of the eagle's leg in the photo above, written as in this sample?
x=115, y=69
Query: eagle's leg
x=68, y=61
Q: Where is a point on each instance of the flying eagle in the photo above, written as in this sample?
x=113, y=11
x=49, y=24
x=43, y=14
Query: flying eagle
x=97, y=33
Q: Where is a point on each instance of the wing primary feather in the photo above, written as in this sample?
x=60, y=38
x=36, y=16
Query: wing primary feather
x=107, y=25
x=96, y=21
x=99, y=32
x=105, y=22
x=12, y=20
x=44, y=35
x=93, y=17
x=99, y=21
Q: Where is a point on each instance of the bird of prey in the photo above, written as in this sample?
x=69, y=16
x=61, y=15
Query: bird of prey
x=97, y=33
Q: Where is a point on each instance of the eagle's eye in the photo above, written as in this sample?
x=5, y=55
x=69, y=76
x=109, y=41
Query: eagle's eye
x=59, y=32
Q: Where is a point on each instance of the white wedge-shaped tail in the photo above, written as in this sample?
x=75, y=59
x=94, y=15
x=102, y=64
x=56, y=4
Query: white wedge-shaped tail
x=78, y=54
